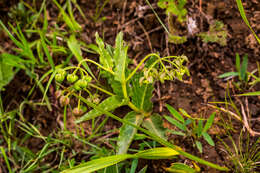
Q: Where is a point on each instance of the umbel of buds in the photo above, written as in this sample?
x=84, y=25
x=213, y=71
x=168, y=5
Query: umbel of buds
x=82, y=83
x=71, y=78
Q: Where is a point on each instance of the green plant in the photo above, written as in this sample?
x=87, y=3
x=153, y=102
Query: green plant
x=244, y=156
x=241, y=72
x=217, y=34
x=174, y=7
x=126, y=87
x=191, y=127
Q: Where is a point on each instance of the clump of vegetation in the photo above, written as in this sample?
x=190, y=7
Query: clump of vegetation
x=217, y=34
x=191, y=127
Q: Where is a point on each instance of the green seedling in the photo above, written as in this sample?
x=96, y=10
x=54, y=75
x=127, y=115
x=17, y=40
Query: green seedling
x=174, y=7
x=191, y=127
x=217, y=34
x=241, y=72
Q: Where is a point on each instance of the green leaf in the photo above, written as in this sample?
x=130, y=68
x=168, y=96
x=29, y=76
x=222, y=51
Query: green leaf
x=104, y=56
x=180, y=168
x=120, y=58
x=6, y=73
x=97, y=164
x=257, y=93
x=199, y=127
x=74, y=46
x=141, y=93
x=175, y=123
x=209, y=122
x=71, y=22
x=128, y=132
x=108, y=104
x=208, y=138
x=228, y=74
x=157, y=153
x=244, y=68
x=238, y=63
x=46, y=50
x=154, y=124
x=176, y=132
x=199, y=146
x=243, y=15
x=143, y=170
x=175, y=113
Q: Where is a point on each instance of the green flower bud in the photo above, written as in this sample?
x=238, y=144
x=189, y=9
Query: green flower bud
x=82, y=83
x=71, y=78
x=77, y=86
x=87, y=78
x=60, y=76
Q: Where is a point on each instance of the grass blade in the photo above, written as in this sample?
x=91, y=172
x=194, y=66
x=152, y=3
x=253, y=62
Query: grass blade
x=257, y=93
x=209, y=122
x=175, y=113
x=243, y=15
x=74, y=46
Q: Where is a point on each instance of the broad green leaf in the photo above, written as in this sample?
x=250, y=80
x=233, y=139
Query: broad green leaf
x=175, y=113
x=154, y=124
x=108, y=104
x=257, y=93
x=97, y=164
x=243, y=15
x=128, y=132
x=6, y=73
x=180, y=168
x=175, y=123
x=74, y=46
x=243, y=69
x=120, y=58
x=104, y=56
x=209, y=122
x=208, y=138
x=228, y=74
x=199, y=146
x=157, y=153
x=141, y=93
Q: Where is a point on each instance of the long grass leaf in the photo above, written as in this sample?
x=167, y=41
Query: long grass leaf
x=243, y=15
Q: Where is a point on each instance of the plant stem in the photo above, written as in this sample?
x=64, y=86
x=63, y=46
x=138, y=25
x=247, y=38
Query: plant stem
x=140, y=63
x=97, y=64
x=101, y=89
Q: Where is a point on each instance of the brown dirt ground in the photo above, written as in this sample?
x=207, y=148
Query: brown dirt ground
x=144, y=34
